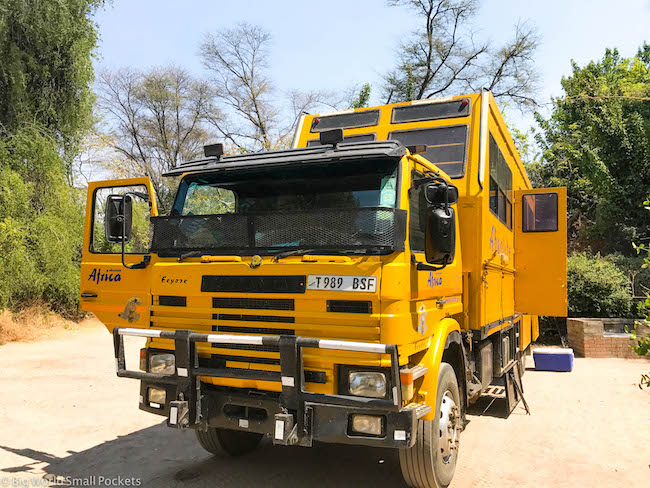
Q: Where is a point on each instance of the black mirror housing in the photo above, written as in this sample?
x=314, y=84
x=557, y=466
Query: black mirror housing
x=440, y=236
x=119, y=212
x=441, y=194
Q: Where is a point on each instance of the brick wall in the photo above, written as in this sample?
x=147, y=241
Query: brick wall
x=602, y=338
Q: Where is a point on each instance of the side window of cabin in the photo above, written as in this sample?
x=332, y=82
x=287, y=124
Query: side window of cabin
x=500, y=185
x=417, y=216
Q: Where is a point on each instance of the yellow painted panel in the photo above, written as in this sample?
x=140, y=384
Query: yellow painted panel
x=123, y=295
x=540, y=258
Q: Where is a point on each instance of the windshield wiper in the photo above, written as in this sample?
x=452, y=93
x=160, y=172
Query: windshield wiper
x=336, y=252
x=191, y=254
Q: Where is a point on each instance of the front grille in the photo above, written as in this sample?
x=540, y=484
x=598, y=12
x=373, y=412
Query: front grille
x=378, y=228
x=244, y=359
x=253, y=284
x=349, y=306
x=217, y=361
x=254, y=303
x=252, y=330
x=172, y=301
x=253, y=318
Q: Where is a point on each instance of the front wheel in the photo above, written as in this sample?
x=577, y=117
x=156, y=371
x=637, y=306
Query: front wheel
x=231, y=442
x=431, y=462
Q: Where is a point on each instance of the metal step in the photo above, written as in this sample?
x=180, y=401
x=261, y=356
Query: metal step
x=421, y=409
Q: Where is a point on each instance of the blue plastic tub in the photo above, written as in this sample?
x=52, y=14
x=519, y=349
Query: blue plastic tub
x=553, y=359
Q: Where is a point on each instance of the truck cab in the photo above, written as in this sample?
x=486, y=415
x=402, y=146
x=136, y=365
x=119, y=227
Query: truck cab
x=363, y=287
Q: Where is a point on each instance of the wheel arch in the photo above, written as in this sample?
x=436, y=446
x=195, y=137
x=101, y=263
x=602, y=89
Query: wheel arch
x=447, y=347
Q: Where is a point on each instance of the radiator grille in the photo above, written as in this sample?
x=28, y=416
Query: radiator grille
x=349, y=306
x=254, y=303
x=253, y=284
x=253, y=318
x=252, y=330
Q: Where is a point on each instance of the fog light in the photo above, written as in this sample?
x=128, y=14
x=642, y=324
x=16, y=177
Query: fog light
x=157, y=397
x=367, y=384
x=161, y=363
x=368, y=424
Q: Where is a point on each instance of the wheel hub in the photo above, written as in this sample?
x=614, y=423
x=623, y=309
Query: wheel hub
x=448, y=427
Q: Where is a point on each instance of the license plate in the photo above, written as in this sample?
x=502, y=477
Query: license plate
x=342, y=283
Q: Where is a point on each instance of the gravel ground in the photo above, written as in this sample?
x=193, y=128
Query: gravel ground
x=64, y=412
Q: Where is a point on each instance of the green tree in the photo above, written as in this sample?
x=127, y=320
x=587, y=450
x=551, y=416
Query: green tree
x=596, y=288
x=46, y=99
x=362, y=98
x=597, y=144
x=46, y=68
x=41, y=224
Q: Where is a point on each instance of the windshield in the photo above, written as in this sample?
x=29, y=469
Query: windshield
x=347, y=206
x=311, y=187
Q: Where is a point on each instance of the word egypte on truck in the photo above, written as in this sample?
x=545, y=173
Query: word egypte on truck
x=363, y=287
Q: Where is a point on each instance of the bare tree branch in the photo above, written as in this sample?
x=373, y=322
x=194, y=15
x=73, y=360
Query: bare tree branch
x=444, y=58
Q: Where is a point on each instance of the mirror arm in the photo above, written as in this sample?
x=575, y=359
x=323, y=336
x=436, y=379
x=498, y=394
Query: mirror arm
x=420, y=266
x=147, y=257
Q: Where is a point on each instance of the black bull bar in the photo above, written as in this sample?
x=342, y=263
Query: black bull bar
x=297, y=406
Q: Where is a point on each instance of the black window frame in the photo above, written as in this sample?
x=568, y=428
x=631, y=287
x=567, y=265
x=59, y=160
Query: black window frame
x=416, y=197
x=422, y=119
x=467, y=131
x=501, y=186
x=314, y=130
x=557, y=212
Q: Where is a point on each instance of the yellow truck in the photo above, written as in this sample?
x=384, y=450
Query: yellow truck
x=363, y=287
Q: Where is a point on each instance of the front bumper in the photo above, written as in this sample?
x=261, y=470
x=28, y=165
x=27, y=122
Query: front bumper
x=294, y=417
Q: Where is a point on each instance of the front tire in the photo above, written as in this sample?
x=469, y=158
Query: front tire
x=232, y=442
x=431, y=462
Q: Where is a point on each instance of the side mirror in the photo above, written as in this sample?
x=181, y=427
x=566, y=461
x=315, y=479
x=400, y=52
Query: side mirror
x=440, y=235
x=119, y=211
x=441, y=194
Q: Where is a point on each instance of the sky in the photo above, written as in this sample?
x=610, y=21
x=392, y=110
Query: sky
x=336, y=44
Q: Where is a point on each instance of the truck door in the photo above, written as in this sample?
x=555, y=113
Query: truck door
x=540, y=252
x=118, y=295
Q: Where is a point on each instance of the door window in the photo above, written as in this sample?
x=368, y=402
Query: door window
x=540, y=212
x=140, y=231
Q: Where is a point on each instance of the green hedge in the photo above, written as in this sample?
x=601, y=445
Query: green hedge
x=597, y=288
x=41, y=224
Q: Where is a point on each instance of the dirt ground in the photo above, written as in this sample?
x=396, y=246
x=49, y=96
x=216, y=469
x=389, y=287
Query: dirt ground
x=64, y=412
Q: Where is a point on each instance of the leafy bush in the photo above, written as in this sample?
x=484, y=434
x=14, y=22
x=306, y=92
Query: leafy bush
x=597, y=287
x=41, y=224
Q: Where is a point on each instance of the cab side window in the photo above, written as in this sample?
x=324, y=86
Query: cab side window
x=500, y=185
x=417, y=215
x=140, y=239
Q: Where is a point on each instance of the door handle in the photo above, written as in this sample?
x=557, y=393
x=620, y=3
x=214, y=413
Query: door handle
x=89, y=295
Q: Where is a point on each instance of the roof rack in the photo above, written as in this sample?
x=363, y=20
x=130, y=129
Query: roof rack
x=327, y=153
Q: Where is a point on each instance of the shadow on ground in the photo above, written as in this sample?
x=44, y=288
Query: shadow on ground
x=164, y=457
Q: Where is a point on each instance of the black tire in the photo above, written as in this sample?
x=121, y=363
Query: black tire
x=232, y=442
x=423, y=465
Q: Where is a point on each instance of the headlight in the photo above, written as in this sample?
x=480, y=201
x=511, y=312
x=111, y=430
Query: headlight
x=162, y=363
x=367, y=384
x=157, y=397
x=367, y=424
